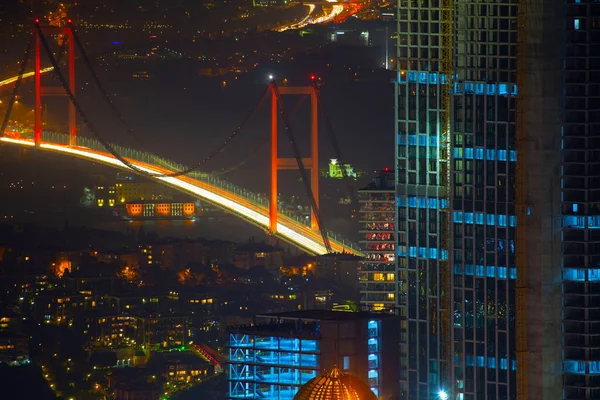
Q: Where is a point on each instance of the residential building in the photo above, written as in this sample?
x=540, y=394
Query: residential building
x=280, y=352
x=253, y=254
x=377, y=218
x=497, y=127
x=339, y=268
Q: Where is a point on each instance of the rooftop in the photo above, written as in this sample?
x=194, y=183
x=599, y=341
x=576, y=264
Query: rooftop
x=325, y=315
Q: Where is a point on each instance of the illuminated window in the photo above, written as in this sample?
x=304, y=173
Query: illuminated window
x=378, y=276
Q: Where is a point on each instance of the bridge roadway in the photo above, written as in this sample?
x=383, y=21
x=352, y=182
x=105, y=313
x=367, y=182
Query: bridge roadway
x=288, y=229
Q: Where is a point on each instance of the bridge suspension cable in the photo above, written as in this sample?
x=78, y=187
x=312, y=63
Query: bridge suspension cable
x=13, y=97
x=336, y=147
x=303, y=174
x=111, y=149
x=103, y=92
x=260, y=145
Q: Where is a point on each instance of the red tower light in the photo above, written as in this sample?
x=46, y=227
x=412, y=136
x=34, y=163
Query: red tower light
x=37, y=20
x=69, y=21
x=313, y=77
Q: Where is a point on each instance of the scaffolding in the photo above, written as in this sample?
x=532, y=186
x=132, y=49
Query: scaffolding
x=447, y=72
x=521, y=205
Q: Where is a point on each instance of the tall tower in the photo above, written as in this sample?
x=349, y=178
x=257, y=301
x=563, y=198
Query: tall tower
x=508, y=207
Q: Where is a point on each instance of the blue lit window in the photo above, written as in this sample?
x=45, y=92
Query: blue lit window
x=458, y=217
x=574, y=367
x=480, y=361
x=479, y=218
x=574, y=207
x=576, y=24
x=502, y=89
x=593, y=275
x=594, y=222
x=433, y=253
x=468, y=218
x=373, y=361
x=346, y=363
x=501, y=220
x=479, y=154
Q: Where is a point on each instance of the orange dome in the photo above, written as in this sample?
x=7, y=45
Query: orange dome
x=335, y=385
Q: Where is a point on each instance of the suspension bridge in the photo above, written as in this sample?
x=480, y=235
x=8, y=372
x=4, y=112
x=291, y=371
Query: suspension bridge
x=310, y=236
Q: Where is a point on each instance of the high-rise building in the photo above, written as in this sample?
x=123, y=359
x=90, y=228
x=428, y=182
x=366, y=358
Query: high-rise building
x=497, y=144
x=377, y=219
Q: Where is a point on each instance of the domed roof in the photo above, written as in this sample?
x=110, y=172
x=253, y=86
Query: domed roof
x=335, y=385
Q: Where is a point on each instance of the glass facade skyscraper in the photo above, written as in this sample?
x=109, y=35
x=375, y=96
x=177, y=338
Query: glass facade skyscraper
x=513, y=220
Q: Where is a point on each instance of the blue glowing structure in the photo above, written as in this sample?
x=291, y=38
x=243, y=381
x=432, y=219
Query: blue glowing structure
x=270, y=367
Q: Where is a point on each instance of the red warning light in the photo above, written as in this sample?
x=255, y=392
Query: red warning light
x=69, y=21
x=386, y=169
x=313, y=77
x=37, y=20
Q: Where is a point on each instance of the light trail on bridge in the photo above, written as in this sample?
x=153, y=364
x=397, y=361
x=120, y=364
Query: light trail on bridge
x=303, y=22
x=336, y=10
x=287, y=229
x=25, y=75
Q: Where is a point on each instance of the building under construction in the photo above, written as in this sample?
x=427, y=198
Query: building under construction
x=498, y=138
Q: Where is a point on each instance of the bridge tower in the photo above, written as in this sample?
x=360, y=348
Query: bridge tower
x=67, y=34
x=311, y=163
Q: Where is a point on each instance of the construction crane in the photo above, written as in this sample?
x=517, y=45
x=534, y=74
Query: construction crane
x=447, y=73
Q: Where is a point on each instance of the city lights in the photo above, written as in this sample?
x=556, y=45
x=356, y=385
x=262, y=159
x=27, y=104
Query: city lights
x=443, y=395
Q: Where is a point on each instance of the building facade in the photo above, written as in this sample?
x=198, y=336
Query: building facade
x=274, y=357
x=496, y=201
x=377, y=219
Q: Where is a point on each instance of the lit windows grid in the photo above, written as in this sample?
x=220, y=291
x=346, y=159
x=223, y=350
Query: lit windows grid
x=483, y=245
x=378, y=233
x=418, y=166
x=483, y=211
x=580, y=200
x=418, y=241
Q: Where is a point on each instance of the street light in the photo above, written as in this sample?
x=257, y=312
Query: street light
x=443, y=395
x=271, y=77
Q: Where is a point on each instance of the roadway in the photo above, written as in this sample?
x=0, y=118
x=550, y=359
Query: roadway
x=5, y=83
x=335, y=12
x=289, y=230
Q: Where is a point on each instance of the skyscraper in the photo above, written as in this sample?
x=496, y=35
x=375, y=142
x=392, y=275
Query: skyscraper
x=377, y=272
x=497, y=144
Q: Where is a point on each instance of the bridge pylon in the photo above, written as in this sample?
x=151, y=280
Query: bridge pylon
x=311, y=163
x=67, y=34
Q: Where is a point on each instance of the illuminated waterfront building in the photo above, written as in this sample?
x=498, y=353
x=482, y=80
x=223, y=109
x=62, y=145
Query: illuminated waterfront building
x=274, y=357
x=498, y=262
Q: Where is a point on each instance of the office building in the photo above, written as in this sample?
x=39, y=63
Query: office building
x=497, y=205
x=275, y=356
x=377, y=218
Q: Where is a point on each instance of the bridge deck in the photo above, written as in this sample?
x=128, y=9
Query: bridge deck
x=288, y=229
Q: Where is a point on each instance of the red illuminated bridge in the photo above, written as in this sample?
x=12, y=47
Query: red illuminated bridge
x=309, y=236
